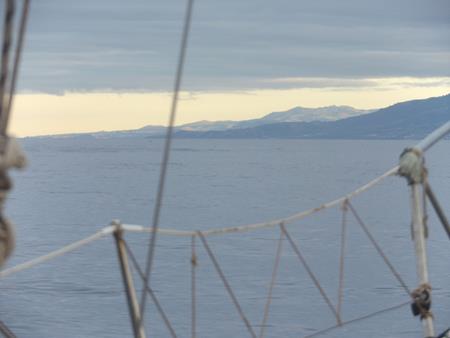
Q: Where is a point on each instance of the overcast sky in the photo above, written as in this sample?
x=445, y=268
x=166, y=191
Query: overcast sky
x=132, y=45
x=98, y=46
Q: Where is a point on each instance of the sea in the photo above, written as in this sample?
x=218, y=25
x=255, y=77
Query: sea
x=74, y=186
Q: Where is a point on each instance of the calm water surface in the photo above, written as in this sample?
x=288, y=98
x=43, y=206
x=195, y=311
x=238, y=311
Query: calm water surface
x=74, y=187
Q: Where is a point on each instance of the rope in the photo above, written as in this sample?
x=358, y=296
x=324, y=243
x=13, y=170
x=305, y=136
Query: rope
x=57, y=253
x=422, y=301
x=172, y=232
x=342, y=260
x=6, y=102
x=268, y=224
x=166, y=154
x=194, y=263
x=272, y=284
x=310, y=273
x=161, y=231
x=306, y=213
x=150, y=292
x=220, y=231
x=437, y=208
x=351, y=321
x=6, y=331
x=227, y=285
x=424, y=312
x=379, y=250
x=18, y=53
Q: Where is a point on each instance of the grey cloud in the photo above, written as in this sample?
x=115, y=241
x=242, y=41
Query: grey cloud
x=93, y=45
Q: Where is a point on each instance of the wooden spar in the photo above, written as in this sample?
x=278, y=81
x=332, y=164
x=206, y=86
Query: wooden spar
x=412, y=167
x=420, y=247
x=133, y=305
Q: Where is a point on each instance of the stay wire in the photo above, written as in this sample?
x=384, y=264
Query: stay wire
x=227, y=285
x=437, y=208
x=6, y=332
x=379, y=250
x=422, y=310
x=276, y=265
x=150, y=291
x=342, y=260
x=310, y=273
x=166, y=153
x=194, y=262
x=358, y=319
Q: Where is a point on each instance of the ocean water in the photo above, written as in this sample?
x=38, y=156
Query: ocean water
x=74, y=187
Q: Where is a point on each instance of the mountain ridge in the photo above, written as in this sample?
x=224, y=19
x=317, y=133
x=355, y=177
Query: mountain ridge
x=406, y=120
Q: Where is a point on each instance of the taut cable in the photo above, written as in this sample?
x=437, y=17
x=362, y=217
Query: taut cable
x=166, y=154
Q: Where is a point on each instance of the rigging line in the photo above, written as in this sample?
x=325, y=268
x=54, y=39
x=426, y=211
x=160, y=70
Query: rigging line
x=6, y=331
x=166, y=154
x=437, y=208
x=379, y=250
x=57, y=253
x=342, y=259
x=226, y=284
x=272, y=284
x=7, y=37
x=18, y=53
x=305, y=213
x=310, y=273
x=150, y=291
x=358, y=319
x=423, y=311
x=194, y=263
x=268, y=224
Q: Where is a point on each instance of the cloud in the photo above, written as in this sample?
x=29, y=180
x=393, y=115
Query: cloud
x=37, y=113
x=362, y=84
x=235, y=45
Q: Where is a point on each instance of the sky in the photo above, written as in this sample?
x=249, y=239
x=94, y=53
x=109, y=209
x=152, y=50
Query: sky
x=93, y=65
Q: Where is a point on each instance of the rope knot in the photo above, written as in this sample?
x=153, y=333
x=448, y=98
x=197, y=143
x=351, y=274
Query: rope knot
x=412, y=166
x=422, y=301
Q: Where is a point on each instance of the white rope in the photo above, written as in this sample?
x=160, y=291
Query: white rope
x=167, y=232
x=181, y=233
x=54, y=254
x=269, y=224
